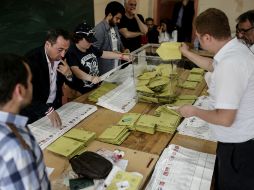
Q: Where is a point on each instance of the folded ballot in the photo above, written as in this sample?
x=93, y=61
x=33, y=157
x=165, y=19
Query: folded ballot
x=189, y=85
x=195, y=77
x=197, y=71
x=169, y=51
x=146, y=124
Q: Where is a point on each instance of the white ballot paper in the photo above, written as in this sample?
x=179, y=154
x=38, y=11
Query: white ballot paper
x=180, y=168
x=196, y=127
x=121, y=99
x=70, y=113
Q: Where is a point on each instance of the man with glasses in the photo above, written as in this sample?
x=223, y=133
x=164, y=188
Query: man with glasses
x=231, y=113
x=49, y=71
x=245, y=28
x=132, y=26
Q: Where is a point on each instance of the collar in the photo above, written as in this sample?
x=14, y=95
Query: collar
x=17, y=120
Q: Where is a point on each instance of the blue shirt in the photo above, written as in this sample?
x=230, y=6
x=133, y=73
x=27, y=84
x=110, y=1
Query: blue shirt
x=20, y=168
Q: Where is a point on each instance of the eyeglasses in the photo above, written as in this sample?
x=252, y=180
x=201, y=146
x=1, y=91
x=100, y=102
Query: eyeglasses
x=243, y=31
x=132, y=5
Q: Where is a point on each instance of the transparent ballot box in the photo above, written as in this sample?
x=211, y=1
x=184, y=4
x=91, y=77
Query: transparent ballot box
x=156, y=80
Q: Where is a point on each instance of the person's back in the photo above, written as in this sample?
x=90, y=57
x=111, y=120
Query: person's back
x=21, y=159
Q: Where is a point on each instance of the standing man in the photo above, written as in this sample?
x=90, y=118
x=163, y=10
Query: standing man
x=183, y=14
x=132, y=26
x=232, y=87
x=49, y=73
x=245, y=28
x=108, y=37
x=21, y=159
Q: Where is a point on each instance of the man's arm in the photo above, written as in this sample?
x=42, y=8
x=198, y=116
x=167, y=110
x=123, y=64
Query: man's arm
x=142, y=27
x=128, y=34
x=99, y=35
x=224, y=117
x=201, y=61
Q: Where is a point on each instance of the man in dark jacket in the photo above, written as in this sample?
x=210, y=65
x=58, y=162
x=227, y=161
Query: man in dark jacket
x=49, y=73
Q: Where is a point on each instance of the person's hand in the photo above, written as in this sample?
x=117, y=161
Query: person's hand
x=134, y=12
x=126, y=51
x=64, y=68
x=55, y=119
x=184, y=48
x=187, y=110
x=159, y=29
x=95, y=79
x=127, y=57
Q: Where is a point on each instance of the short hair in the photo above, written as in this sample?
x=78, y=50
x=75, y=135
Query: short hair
x=114, y=8
x=213, y=22
x=12, y=72
x=149, y=19
x=53, y=34
x=249, y=15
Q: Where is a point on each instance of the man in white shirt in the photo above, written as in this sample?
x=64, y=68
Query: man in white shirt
x=231, y=89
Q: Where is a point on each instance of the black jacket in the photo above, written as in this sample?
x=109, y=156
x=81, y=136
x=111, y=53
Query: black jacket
x=37, y=61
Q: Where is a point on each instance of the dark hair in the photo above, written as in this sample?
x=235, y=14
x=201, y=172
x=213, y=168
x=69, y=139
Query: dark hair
x=114, y=8
x=169, y=24
x=149, y=19
x=249, y=15
x=12, y=72
x=213, y=22
x=53, y=34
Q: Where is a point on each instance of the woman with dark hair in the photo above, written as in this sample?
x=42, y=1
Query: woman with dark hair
x=166, y=30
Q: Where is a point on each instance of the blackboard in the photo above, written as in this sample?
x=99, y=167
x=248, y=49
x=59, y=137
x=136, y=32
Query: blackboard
x=23, y=23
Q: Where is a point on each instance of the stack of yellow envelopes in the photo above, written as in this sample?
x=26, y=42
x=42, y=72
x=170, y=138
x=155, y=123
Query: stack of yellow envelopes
x=114, y=134
x=185, y=99
x=66, y=147
x=168, y=121
x=104, y=88
x=189, y=85
x=125, y=180
x=195, y=77
x=197, y=71
x=81, y=135
x=129, y=120
x=146, y=124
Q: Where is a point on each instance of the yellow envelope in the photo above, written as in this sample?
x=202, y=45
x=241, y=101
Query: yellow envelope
x=169, y=51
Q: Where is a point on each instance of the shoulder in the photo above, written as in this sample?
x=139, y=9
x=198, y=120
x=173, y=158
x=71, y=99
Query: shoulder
x=35, y=55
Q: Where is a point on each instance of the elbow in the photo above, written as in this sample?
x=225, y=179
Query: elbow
x=228, y=122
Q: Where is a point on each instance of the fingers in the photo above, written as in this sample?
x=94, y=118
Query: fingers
x=95, y=80
x=55, y=119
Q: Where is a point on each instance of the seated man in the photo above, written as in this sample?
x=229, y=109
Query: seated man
x=49, y=73
x=21, y=159
x=82, y=58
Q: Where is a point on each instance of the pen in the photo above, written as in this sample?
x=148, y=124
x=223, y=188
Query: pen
x=149, y=163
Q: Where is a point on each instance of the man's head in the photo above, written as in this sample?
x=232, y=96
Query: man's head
x=130, y=6
x=15, y=81
x=212, y=25
x=114, y=12
x=57, y=44
x=245, y=27
x=149, y=23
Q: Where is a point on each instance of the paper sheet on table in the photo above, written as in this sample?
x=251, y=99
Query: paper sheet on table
x=169, y=51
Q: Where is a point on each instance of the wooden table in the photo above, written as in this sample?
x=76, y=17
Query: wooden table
x=150, y=146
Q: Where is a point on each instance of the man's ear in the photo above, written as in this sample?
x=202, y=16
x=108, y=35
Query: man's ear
x=18, y=92
x=207, y=37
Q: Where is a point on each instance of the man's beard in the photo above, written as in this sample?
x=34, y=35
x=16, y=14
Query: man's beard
x=111, y=23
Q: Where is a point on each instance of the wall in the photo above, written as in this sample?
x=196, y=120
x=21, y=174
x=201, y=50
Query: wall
x=233, y=8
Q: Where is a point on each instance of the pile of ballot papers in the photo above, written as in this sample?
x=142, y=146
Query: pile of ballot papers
x=72, y=142
x=146, y=124
x=184, y=99
x=114, y=134
x=195, y=76
x=103, y=89
x=129, y=120
x=168, y=119
x=158, y=85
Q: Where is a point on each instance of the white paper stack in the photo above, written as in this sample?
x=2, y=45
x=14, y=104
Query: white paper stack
x=180, y=168
x=70, y=113
x=196, y=127
x=121, y=99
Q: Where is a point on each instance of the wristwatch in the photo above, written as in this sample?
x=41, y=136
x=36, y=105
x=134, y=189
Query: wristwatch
x=69, y=76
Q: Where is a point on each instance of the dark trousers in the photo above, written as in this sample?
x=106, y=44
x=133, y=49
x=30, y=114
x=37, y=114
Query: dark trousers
x=234, y=166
